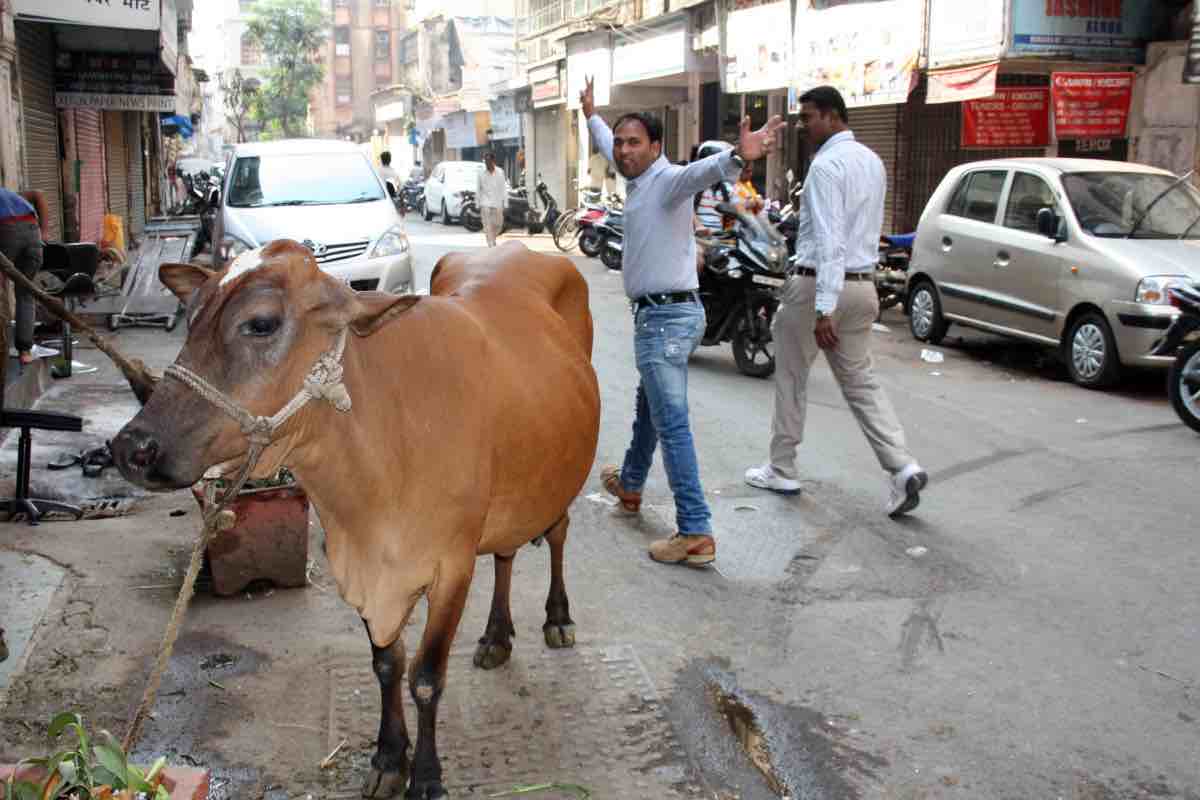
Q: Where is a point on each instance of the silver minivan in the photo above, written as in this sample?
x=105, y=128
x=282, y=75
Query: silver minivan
x=324, y=194
x=1076, y=254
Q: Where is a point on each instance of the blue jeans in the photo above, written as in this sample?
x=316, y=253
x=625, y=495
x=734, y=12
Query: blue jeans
x=664, y=337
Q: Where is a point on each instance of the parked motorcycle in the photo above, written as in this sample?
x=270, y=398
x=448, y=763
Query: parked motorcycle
x=891, y=272
x=202, y=199
x=1182, y=340
x=470, y=215
x=572, y=224
x=739, y=285
x=518, y=213
x=611, y=230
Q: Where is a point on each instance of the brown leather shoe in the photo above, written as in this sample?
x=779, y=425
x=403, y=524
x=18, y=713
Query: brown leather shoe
x=610, y=476
x=695, y=550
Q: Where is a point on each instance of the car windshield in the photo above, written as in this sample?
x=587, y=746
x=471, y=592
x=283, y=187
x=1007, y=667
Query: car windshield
x=1111, y=203
x=302, y=179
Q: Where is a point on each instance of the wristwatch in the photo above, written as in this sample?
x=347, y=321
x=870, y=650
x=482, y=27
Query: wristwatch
x=737, y=159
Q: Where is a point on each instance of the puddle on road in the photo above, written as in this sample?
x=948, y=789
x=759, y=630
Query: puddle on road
x=746, y=745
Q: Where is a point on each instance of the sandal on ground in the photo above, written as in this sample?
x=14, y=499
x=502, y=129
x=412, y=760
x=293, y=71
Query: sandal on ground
x=610, y=476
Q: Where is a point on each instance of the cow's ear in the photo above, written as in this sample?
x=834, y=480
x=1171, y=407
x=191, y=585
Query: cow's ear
x=374, y=309
x=183, y=279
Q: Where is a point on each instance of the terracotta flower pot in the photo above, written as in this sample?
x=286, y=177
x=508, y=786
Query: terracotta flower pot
x=269, y=540
x=184, y=783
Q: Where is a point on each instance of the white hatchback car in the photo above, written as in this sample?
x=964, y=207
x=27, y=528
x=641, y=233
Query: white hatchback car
x=325, y=195
x=445, y=187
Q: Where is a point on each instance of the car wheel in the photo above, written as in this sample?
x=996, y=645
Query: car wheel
x=1184, y=386
x=925, y=318
x=445, y=214
x=425, y=212
x=1091, y=352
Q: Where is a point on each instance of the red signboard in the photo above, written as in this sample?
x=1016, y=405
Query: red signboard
x=1091, y=105
x=1016, y=116
x=964, y=83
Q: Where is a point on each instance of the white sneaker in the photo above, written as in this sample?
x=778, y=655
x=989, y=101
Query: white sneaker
x=906, y=490
x=765, y=477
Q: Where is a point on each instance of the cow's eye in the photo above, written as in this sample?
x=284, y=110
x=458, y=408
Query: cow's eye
x=261, y=326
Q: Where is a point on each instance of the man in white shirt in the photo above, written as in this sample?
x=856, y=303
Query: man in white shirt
x=831, y=303
x=387, y=173
x=492, y=195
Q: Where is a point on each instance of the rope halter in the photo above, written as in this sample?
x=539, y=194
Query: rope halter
x=323, y=382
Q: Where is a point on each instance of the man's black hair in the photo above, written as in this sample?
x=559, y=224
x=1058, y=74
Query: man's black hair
x=826, y=99
x=489, y=154
x=654, y=128
x=385, y=157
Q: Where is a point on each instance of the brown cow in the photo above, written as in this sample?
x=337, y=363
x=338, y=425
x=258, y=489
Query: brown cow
x=472, y=425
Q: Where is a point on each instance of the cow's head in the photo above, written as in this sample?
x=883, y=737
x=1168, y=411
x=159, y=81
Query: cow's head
x=255, y=331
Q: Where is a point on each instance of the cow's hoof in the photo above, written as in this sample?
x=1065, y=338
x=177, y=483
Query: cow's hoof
x=559, y=636
x=380, y=784
x=426, y=790
x=489, y=655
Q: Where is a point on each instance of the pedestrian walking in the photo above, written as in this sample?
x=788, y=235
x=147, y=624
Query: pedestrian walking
x=830, y=304
x=493, y=196
x=23, y=221
x=660, y=280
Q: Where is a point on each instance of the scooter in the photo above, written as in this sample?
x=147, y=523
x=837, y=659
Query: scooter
x=1182, y=340
x=611, y=230
x=891, y=271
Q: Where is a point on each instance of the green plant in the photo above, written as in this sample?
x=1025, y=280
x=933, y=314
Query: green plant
x=90, y=770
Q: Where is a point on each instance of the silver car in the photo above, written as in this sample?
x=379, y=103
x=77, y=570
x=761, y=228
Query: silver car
x=324, y=194
x=1076, y=254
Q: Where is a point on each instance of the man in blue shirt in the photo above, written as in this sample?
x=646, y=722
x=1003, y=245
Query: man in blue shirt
x=659, y=271
x=21, y=231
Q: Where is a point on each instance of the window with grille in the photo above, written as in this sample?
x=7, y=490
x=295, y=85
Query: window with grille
x=341, y=40
x=251, y=53
x=343, y=91
x=383, y=45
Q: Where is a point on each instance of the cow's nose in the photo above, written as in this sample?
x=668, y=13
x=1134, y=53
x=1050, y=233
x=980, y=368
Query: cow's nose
x=135, y=451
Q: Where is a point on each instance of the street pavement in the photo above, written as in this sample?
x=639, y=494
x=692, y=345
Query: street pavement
x=1030, y=631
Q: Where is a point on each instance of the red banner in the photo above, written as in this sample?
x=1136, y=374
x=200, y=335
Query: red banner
x=1091, y=105
x=1016, y=116
x=965, y=83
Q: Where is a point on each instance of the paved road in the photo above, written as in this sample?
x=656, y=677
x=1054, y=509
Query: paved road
x=1045, y=643
x=1029, y=633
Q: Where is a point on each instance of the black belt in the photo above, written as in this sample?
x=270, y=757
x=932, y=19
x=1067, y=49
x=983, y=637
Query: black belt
x=850, y=276
x=664, y=298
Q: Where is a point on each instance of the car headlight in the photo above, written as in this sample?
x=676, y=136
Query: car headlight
x=1153, y=289
x=391, y=243
x=232, y=247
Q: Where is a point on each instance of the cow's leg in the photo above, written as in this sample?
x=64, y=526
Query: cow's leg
x=559, y=629
x=495, y=646
x=389, y=765
x=427, y=677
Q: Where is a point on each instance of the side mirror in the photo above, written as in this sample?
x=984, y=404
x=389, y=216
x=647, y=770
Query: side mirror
x=1047, y=223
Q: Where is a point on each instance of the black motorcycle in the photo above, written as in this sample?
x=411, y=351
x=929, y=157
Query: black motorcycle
x=611, y=232
x=739, y=286
x=517, y=214
x=1182, y=340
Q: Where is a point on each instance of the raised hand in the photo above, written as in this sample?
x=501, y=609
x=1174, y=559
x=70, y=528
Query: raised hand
x=587, y=98
x=753, y=145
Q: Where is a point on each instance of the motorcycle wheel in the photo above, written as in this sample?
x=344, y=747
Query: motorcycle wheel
x=590, y=243
x=752, y=348
x=471, y=219
x=610, y=258
x=1183, y=385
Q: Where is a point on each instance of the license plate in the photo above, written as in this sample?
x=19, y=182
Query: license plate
x=768, y=281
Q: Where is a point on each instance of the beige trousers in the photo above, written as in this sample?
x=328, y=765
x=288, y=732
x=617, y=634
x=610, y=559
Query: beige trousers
x=493, y=221
x=796, y=349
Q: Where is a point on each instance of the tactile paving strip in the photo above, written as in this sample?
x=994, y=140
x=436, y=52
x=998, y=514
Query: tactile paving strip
x=587, y=716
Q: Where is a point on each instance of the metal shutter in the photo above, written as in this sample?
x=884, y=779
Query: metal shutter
x=931, y=146
x=877, y=128
x=89, y=141
x=117, y=168
x=137, y=173
x=35, y=62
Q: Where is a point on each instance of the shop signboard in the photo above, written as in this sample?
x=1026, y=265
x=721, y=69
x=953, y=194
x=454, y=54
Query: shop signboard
x=505, y=123
x=460, y=130
x=965, y=32
x=140, y=15
x=868, y=50
x=589, y=57
x=758, y=48
x=650, y=53
x=112, y=81
x=1016, y=116
x=1092, y=30
x=392, y=109
x=963, y=83
x=1091, y=105
x=547, y=92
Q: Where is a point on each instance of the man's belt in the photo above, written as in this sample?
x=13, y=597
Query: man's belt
x=664, y=298
x=869, y=275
